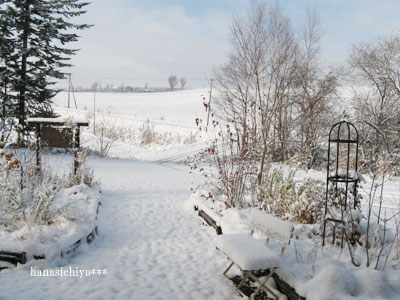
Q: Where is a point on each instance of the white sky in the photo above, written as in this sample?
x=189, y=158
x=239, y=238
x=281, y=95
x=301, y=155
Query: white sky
x=134, y=42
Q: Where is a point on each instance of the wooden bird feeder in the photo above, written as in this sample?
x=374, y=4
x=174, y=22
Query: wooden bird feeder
x=63, y=125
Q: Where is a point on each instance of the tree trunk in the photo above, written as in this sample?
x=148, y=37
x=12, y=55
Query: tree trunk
x=22, y=86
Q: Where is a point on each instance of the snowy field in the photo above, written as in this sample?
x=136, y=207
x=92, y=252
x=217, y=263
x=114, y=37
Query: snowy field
x=179, y=107
x=150, y=243
x=169, y=116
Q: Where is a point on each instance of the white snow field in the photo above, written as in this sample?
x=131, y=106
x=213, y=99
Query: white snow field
x=170, y=117
x=150, y=245
x=178, y=107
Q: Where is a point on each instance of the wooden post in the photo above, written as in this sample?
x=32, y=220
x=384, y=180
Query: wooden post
x=38, y=149
x=69, y=87
x=209, y=103
x=76, y=148
x=94, y=110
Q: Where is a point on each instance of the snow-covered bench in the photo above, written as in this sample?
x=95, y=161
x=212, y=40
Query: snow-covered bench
x=252, y=255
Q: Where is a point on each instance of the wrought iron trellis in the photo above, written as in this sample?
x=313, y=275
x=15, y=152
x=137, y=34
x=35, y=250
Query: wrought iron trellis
x=342, y=170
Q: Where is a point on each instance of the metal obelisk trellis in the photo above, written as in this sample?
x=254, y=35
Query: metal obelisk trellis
x=342, y=169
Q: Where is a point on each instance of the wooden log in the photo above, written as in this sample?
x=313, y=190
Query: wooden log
x=71, y=248
x=286, y=289
x=10, y=259
x=210, y=221
x=13, y=257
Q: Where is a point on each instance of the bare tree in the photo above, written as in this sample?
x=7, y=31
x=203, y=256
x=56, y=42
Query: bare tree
x=256, y=84
x=377, y=94
x=314, y=94
x=182, y=82
x=271, y=91
x=173, y=81
x=107, y=133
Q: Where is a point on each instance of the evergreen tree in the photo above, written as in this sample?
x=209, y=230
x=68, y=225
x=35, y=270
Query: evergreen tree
x=38, y=31
x=7, y=63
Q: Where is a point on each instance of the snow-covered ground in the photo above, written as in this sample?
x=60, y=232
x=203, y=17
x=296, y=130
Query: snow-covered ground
x=169, y=117
x=180, y=107
x=151, y=245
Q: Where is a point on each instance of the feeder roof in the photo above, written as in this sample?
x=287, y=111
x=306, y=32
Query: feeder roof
x=58, y=121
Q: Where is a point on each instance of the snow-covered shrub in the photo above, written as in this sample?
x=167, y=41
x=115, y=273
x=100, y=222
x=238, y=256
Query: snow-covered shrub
x=345, y=209
x=113, y=128
x=83, y=175
x=379, y=234
x=190, y=139
x=308, y=209
x=11, y=205
x=396, y=243
x=364, y=236
x=378, y=241
x=278, y=193
x=233, y=171
x=148, y=134
x=25, y=195
x=107, y=133
x=300, y=202
x=41, y=196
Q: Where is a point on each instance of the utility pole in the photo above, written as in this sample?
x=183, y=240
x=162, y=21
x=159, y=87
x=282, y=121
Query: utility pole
x=209, y=102
x=69, y=87
x=94, y=109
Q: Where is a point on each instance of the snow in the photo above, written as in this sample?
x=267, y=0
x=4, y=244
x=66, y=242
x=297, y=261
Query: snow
x=337, y=282
x=151, y=241
x=169, y=116
x=271, y=223
x=72, y=120
x=151, y=245
x=179, y=107
x=246, y=252
x=78, y=205
x=316, y=273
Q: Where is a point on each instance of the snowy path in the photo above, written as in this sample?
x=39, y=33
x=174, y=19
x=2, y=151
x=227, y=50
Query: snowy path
x=151, y=246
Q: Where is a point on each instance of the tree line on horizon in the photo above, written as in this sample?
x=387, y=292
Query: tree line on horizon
x=97, y=86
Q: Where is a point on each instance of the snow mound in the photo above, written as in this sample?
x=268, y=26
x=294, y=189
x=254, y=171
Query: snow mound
x=77, y=212
x=335, y=281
